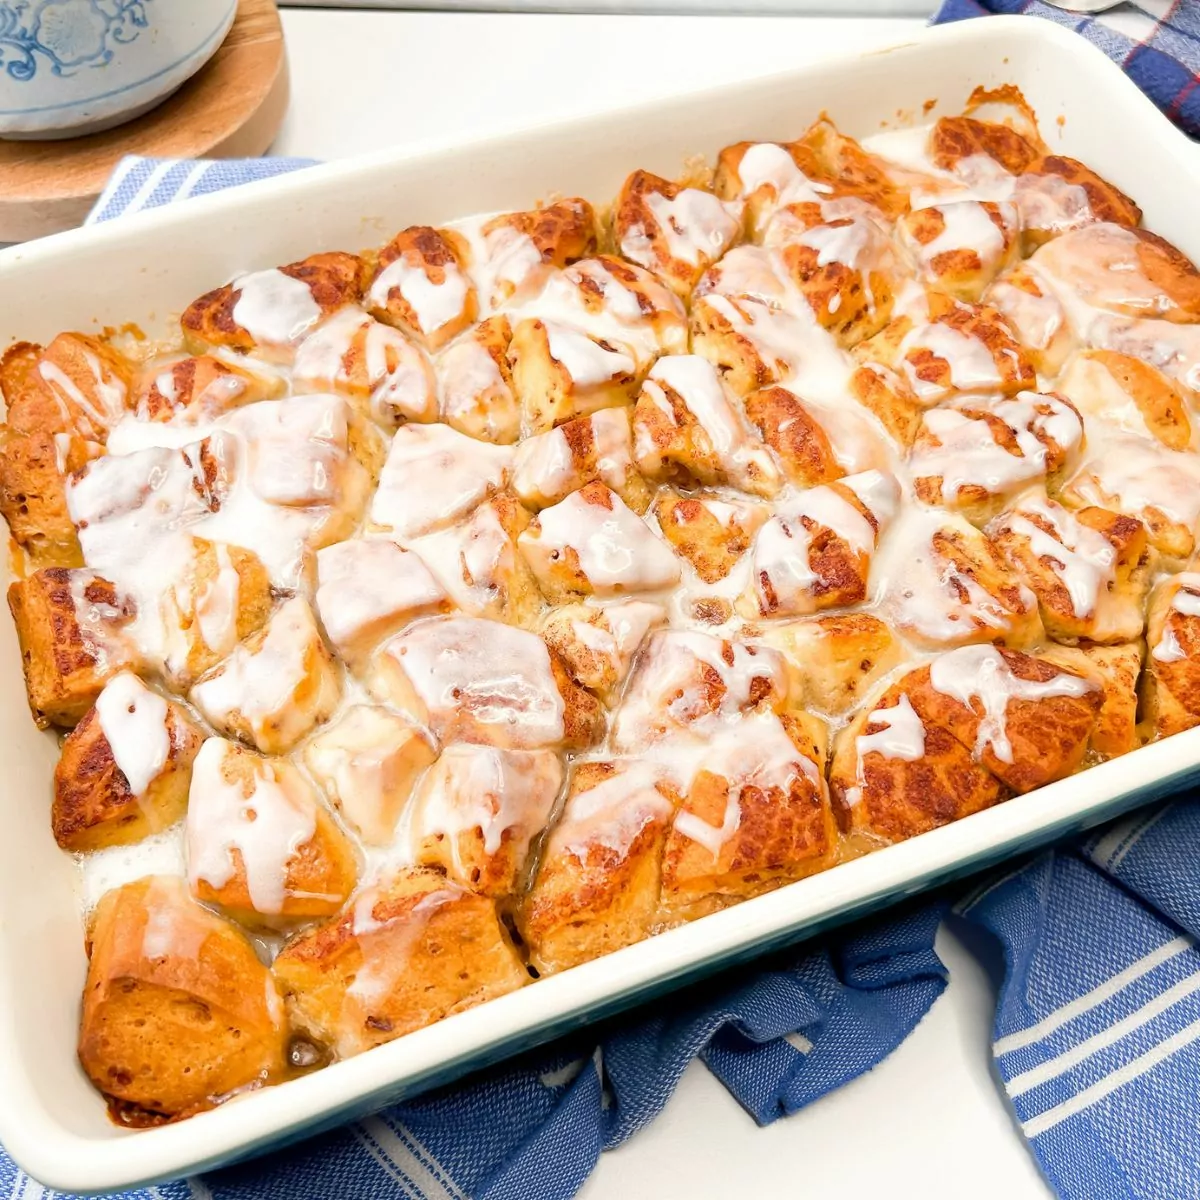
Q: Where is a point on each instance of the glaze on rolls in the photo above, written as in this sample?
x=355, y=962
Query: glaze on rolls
x=427, y=618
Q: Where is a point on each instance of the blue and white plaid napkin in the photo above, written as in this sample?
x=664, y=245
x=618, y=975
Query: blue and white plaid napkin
x=1097, y=1034
x=1156, y=42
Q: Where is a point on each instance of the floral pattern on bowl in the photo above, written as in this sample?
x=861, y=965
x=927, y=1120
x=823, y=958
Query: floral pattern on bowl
x=69, y=67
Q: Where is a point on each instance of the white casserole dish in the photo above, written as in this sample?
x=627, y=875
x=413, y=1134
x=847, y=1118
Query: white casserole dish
x=145, y=269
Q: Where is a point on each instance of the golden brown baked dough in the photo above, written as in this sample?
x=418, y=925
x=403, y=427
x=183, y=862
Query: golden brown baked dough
x=200, y=388
x=408, y=952
x=549, y=549
x=33, y=499
x=76, y=385
x=420, y=285
x=1171, y=683
x=710, y=532
x=260, y=844
x=71, y=626
x=756, y=816
x=673, y=230
x=333, y=280
x=478, y=810
x=368, y=762
x=124, y=770
x=178, y=1013
x=597, y=886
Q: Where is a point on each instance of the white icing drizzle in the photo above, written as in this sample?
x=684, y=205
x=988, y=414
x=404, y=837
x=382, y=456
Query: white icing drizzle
x=694, y=226
x=103, y=408
x=266, y=824
x=273, y=308
x=546, y=468
x=586, y=361
x=981, y=674
x=1185, y=600
x=366, y=586
x=393, y=372
x=134, y=722
x=497, y=792
x=962, y=449
x=217, y=605
x=475, y=561
x=781, y=550
x=686, y=680
x=492, y=679
x=617, y=552
x=432, y=476
x=434, y=305
x=258, y=686
x=1082, y=558
x=901, y=735
x=741, y=455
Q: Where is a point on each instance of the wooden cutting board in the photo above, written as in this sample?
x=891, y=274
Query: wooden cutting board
x=231, y=108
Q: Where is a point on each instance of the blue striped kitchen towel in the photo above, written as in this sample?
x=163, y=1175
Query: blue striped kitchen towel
x=1156, y=42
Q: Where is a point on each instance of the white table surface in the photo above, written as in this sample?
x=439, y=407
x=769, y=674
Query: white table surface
x=930, y=1121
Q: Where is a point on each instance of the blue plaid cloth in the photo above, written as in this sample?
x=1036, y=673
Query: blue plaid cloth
x=1097, y=1036
x=1157, y=43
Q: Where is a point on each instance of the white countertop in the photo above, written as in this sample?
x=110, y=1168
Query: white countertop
x=930, y=1121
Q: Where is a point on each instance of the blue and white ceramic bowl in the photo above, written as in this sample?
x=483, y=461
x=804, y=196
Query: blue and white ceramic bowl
x=70, y=67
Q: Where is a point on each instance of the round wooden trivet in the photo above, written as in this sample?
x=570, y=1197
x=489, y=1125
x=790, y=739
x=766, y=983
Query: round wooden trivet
x=231, y=108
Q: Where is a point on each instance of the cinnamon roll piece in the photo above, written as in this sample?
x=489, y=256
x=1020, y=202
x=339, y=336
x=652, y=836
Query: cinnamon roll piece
x=816, y=553
x=476, y=384
x=688, y=427
x=1036, y=317
x=478, y=810
x=755, y=816
x=835, y=660
x=433, y=476
x=1171, y=683
x=597, y=885
x=593, y=544
x=1089, y=569
x=260, y=845
x=73, y=627
x=367, y=762
x=673, y=230
x=472, y=680
x=276, y=686
x=695, y=683
x=598, y=645
x=1056, y=194
x=370, y=588
x=973, y=454
x=598, y=448
x=712, y=533
x=479, y=564
x=201, y=388
x=178, y=1012
x=409, y=951
x=1115, y=669
x=268, y=313
x=76, y=385
x=125, y=769
x=421, y=285
x=520, y=250
x=373, y=365
x=960, y=246
x=959, y=347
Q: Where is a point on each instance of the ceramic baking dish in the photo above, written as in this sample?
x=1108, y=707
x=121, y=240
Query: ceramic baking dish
x=146, y=268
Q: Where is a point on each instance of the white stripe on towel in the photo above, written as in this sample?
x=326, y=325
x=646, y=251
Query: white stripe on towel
x=1019, y=1084
x=147, y=189
x=1109, y=1084
x=394, y=1155
x=1094, y=998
